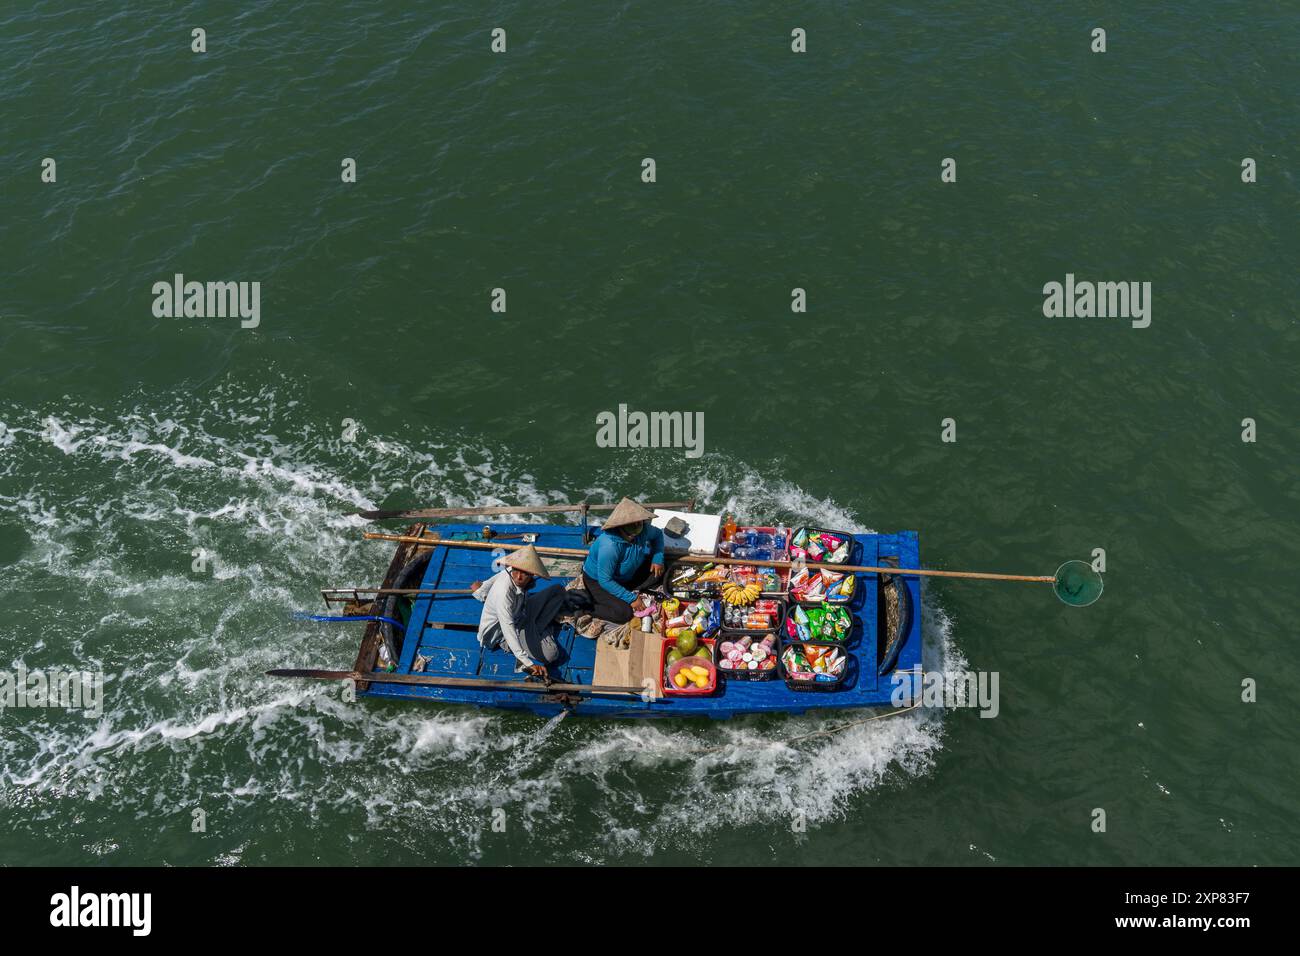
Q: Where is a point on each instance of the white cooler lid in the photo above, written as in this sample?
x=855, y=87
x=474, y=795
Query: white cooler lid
x=702, y=530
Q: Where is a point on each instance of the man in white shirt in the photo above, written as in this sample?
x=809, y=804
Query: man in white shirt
x=525, y=622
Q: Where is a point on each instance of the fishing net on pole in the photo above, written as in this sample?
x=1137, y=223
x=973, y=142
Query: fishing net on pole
x=1077, y=584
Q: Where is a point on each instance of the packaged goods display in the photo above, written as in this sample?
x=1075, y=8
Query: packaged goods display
x=765, y=614
x=691, y=580
x=701, y=618
x=819, y=546
x=767, y=622
x=813, y=586
x=768, y=580
x=810, y=666
x=694, y=580
x=753, y=542
x=826, y=623
x=748, y=658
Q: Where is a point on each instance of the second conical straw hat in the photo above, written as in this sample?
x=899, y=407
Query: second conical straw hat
x=527, y=559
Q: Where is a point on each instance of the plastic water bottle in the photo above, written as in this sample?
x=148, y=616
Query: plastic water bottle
x=779, y=543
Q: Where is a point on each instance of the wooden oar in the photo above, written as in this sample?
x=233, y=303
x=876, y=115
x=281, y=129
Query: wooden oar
x=430, y=680
x=513, y=510
x=701, y=559
x=397, y=590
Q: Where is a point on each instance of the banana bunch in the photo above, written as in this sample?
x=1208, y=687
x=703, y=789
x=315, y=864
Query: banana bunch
x=740, y=594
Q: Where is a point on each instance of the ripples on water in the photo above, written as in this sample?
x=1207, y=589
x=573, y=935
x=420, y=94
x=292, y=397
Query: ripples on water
x=772, y=172
x=190, y=721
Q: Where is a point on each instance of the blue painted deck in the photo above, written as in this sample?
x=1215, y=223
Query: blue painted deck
x=455, y=652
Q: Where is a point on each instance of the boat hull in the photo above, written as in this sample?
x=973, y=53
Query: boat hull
x=442, y=631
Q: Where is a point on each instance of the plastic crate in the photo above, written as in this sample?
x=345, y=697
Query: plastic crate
x=851, y=552
x=816, y=683
x=855, y=600
x=765, y=550
x=774, y=628
x=692, y=589
x=789, y=632
x=745, y=673
x=690, y=690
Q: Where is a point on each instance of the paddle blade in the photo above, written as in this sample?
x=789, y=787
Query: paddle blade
x=1077, y=584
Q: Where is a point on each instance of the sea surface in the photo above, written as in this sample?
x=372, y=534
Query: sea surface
x=380, y=376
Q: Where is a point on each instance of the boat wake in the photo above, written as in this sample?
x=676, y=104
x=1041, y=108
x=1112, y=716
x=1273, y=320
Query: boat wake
x=167, y=552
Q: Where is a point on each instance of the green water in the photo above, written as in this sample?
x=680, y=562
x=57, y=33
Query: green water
x=129, y=441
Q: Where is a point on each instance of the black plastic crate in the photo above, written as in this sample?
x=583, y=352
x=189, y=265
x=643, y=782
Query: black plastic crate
x=691, y=590
x=712, y=589
x=776, y=627
x=853, y=603
x=850, y=557
x=850, y=636
x=746, y=673
x=819, y=683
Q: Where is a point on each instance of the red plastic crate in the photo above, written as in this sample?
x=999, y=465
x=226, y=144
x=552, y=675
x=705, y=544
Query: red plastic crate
x=690, y=690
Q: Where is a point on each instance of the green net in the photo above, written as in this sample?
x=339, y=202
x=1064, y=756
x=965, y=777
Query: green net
x=1077, y=584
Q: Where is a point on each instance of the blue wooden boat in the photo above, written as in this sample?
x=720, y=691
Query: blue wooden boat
x=440, y=631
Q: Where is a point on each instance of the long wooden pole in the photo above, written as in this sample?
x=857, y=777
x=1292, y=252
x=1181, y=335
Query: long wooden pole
x=397, y=590
x=432, y=680
x=701, y=559
x=513, y=510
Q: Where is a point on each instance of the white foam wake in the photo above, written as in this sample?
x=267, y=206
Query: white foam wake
x=100, y=518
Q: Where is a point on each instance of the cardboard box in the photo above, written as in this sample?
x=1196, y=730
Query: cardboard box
x=629, y=666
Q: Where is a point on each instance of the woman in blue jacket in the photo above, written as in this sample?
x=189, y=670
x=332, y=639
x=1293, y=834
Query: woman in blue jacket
x=626, y=557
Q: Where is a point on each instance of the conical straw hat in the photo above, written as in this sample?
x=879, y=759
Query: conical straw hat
x=627, y=512
x=527, y=559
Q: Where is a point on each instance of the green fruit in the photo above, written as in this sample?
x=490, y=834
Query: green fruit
x=674, y=655
x=703, y=651
x=687, y=642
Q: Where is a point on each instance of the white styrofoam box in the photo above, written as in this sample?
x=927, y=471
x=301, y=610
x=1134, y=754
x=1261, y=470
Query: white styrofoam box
x=701, y=530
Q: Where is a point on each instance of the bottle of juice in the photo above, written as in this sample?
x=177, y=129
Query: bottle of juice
x=729, y=526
